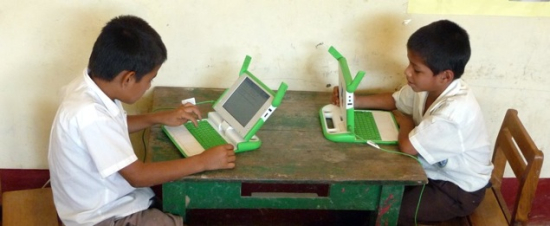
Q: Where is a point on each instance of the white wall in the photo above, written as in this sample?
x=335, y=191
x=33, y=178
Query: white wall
x=44, y=44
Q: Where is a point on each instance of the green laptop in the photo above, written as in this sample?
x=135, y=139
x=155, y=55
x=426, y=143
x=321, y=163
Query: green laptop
x=344, y=123
x=238, y=114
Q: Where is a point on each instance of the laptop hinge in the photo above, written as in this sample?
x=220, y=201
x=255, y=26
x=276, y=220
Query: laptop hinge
x=224, y=128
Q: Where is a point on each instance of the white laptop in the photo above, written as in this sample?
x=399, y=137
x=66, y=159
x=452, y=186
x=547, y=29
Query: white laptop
x=343, y=123
x=238, y=114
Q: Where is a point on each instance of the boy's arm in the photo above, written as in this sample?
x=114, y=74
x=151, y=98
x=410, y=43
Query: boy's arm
x=406, y=125
x=140, y=174
x=383, y=101
x=174, y=117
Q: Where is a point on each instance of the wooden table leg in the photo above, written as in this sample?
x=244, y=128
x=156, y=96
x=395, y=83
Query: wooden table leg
x=389, y=205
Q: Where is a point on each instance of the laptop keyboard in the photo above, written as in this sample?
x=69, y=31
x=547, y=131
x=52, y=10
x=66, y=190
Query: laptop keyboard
x=365, y=126
x=205, y=134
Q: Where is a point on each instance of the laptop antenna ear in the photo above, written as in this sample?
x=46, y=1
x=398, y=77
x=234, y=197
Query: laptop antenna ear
x=280, y=94
x=244, y=68
x=351, y=83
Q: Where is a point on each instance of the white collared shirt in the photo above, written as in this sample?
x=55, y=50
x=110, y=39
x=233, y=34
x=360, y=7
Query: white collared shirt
x=89, y=144
x=450, y=137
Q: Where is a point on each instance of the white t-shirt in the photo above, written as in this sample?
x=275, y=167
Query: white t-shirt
x=451, y=137
x=89, y=144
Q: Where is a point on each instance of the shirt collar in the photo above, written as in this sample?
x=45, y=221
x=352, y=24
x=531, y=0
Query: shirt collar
x=115, y=107
x=457, y=87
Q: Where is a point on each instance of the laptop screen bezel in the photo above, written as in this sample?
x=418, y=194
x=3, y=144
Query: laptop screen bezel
x=242, y=130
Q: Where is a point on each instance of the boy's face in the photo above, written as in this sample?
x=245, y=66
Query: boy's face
x=137, y=89
x=419, y=76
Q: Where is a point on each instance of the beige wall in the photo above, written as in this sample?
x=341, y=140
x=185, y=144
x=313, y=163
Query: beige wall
x=44, y=44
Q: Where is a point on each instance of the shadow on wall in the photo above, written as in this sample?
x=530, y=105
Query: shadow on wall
x=381, y=53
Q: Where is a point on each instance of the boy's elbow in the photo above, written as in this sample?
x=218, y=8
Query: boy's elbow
x=406, y=147
x=411, y=151
x=137, y=183
x=133, y=175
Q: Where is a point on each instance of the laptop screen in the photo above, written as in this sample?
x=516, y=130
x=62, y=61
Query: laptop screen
x=246, y=101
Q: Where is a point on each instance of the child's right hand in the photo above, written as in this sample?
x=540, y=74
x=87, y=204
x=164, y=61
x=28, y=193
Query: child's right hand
x=182, y=114
x=335, y=96
x=219, y=157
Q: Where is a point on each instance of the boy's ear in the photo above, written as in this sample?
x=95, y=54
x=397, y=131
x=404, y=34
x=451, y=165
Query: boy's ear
x=127, y=77
x=447, y=76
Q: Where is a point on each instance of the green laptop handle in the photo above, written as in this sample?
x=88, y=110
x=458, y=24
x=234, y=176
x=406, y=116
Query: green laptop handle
x=246, y=62
x=351, y=84
x=278, y=98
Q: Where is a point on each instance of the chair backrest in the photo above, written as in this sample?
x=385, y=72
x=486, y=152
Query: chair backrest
x=515, y=146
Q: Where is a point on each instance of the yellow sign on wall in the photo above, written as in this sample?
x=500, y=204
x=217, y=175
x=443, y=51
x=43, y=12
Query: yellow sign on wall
x=532, y=8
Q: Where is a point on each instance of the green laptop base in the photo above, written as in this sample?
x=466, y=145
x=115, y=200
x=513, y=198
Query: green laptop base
x=346, y=137
x=245, y=146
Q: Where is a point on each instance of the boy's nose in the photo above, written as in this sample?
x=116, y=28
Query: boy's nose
x=407, y=72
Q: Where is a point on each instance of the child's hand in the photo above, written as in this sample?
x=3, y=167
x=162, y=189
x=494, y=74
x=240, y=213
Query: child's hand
x=402, y=119
x=219, y=157
x=182, y=114
x=335, y=96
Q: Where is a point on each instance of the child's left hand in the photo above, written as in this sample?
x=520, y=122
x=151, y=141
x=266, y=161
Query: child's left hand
x=402, y=119
x=180, y=115
x=335, y=98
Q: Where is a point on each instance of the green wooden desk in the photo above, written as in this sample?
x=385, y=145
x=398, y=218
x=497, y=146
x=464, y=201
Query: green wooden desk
x=293, y=152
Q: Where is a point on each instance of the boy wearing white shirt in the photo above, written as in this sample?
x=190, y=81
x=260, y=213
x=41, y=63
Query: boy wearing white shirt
x=96, y=177
x=441, y=123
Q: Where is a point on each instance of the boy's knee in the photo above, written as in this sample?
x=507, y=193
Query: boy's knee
x=156, y=217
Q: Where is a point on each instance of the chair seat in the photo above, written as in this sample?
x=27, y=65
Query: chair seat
x=29, y=207
x=489, y=211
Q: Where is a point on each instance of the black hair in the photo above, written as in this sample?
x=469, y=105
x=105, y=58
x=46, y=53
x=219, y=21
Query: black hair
x=443, y=45
x=126, y=43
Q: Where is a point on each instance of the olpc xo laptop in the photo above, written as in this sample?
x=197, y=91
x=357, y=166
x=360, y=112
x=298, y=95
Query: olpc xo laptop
x=238, y=114
x=343, y=123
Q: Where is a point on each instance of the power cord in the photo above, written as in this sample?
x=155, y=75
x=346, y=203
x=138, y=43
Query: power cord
x=46, y=184
x=372, y=144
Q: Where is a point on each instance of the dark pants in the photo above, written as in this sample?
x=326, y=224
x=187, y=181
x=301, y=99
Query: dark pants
x=441, y=200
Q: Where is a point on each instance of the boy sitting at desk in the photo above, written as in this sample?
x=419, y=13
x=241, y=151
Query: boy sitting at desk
x=440, y=122
x=96, y=177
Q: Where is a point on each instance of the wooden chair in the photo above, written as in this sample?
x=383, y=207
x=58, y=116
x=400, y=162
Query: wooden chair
x=514, y=146
x=29, y=207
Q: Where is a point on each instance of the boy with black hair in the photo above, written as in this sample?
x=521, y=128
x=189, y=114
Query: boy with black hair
x=441, y=122
x=96, y=177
